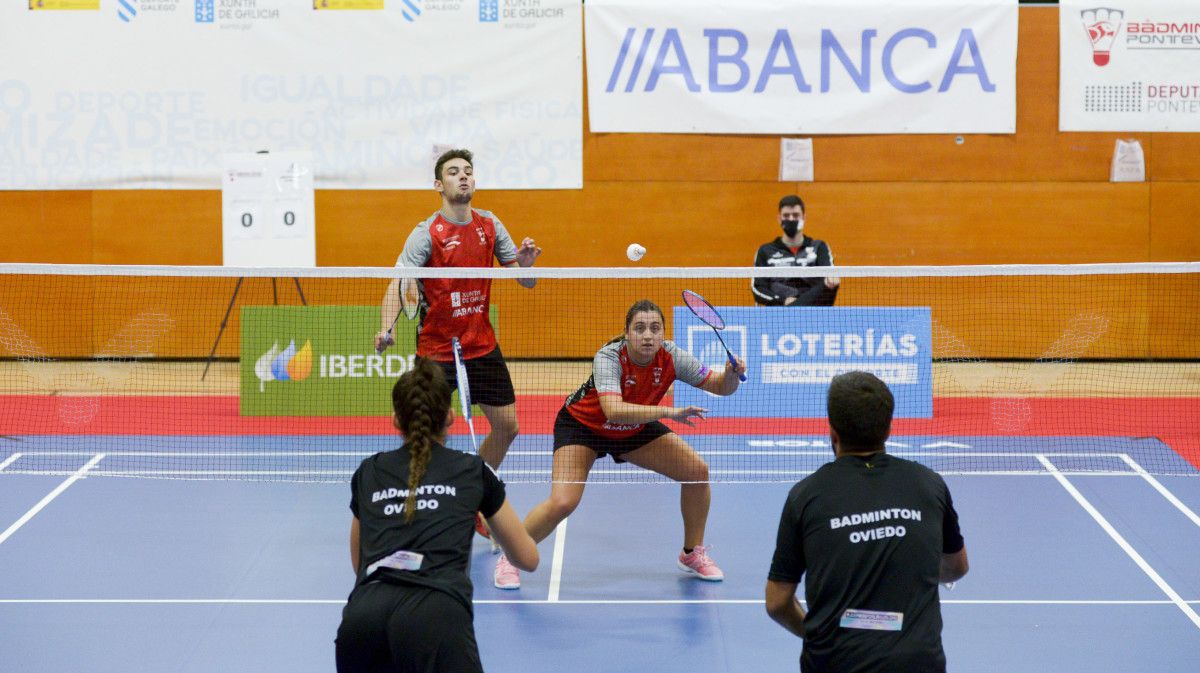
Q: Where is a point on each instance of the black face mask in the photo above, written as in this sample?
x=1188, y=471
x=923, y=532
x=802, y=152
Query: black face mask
x=790, y=227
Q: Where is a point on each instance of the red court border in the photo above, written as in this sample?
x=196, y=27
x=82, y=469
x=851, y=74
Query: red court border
x=1174, y=420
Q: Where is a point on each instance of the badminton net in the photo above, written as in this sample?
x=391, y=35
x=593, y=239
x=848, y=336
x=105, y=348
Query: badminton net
x=272, y=374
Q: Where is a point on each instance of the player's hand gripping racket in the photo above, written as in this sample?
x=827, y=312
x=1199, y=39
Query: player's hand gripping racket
x=410, y=299
x=709, y=316
x=464, y=389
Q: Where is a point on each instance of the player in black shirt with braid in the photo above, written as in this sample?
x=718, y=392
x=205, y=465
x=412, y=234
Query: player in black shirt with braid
x=410, y=540
x=872, y=535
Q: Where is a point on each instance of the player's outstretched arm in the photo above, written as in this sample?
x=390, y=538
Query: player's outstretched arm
x=518, y=546
x=627, y=413
x=389, y=310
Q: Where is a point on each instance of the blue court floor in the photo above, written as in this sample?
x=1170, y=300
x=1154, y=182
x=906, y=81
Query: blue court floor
x=1070, y=571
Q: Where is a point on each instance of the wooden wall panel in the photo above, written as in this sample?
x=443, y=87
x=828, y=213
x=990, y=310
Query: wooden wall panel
x=982, y=223
x=368, y=228
x=1174, y=157
x=44, y=317
x=1174, y=312
x=1175, y=236
x=157, y=227
x=50, y=227
x=611, y=157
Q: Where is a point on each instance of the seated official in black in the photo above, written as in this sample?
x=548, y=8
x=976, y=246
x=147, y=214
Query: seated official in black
x=410, y=540
x=794, y=249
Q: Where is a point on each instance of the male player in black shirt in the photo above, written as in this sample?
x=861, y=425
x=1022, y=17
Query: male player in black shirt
x=873, y=535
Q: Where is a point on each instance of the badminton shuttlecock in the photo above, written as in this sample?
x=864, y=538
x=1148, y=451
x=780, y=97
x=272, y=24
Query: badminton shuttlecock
x=634, y=252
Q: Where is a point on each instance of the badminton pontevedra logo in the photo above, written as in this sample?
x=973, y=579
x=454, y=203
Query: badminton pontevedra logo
x=1102, y=25
x=288, y=364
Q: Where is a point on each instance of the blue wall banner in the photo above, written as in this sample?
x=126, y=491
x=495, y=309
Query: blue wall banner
x=792, y=353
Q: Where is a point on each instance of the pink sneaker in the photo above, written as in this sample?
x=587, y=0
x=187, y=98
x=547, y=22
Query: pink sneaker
x=506, y=576
x=699, y=564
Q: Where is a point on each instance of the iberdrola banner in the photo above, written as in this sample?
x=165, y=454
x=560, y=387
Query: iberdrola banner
x=321, y=360
x=1131, y=65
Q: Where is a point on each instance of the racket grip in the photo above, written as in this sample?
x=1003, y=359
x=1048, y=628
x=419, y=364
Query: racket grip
x=741, y=377
x=384, y=344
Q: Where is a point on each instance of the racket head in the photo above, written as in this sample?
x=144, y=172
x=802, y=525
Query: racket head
x=703, y=310
x=410, y=297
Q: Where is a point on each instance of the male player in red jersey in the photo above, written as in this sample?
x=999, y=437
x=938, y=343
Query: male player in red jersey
x=458, y=235
x=616, y=413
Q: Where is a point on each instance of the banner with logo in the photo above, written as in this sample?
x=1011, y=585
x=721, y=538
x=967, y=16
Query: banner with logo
x=792, y=353
x=321, y=361
x=119, y=94
x=802, y=66
x=1132, y=65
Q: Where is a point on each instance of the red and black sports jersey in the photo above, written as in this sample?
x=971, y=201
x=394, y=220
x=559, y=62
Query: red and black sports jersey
x=614, y=373
x=457, y=307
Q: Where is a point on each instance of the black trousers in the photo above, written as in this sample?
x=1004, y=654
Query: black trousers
x=405, y=629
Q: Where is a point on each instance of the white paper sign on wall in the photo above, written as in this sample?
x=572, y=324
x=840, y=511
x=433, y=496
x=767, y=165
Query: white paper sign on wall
x=267, y=209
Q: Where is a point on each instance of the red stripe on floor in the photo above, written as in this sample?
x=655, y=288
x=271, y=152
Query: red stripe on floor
x=1174, y=420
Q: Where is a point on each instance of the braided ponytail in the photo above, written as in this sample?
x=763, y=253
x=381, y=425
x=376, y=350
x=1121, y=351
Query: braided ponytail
x=421, y=400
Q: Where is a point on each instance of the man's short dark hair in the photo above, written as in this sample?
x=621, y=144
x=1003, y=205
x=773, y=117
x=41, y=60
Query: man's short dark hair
x=860, y=410
x=791, y=200
x=452, y=154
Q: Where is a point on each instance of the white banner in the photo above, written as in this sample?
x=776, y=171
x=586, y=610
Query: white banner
x=151, y=93
x=802, y=66
x=1130, y=65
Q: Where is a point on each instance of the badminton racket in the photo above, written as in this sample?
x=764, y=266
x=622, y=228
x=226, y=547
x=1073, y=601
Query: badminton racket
x=709, y=316
x=410, y=300
x=464, y=389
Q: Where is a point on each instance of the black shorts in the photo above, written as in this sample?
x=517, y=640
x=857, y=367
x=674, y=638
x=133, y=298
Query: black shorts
x=390, y=627
x=487, y=375
x=568, y=430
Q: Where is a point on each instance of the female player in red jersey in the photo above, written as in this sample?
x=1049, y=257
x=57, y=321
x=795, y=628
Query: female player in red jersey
x=617, y=412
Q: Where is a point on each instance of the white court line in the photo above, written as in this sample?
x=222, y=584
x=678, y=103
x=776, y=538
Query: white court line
x=51, y=496
x=9, y=461
x=1153, y=482
x=1121, y=542
x=560, y=545
x=531, y=601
